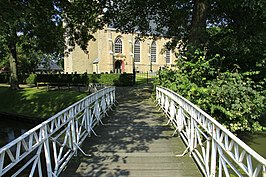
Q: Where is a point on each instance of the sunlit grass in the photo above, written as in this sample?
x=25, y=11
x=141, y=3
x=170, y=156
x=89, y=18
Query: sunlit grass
x=142, y=78
x=36, y=103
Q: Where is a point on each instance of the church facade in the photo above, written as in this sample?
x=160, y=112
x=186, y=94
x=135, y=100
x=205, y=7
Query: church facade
x=114, y=52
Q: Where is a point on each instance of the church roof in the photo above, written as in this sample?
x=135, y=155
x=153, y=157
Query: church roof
x=45, y=65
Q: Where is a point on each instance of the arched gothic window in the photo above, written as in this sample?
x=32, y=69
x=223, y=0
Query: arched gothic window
x=153, y=51
x=118, y=45
x=137, y=51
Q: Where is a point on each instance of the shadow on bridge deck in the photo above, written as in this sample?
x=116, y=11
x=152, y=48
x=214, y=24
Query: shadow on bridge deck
x=133, y=142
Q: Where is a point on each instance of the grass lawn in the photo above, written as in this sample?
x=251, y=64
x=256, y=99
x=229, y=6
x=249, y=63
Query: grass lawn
x=36, y=103
x=142, y=78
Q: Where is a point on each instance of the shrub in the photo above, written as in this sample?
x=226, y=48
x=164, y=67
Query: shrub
x=112, y=79
x=232, y=98
x=4, y=78
x=31, y=79
x=124, y=80
x=236, y=101
x=109, y=79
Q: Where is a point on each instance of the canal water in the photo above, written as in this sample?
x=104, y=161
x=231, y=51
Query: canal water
x=257, y=141
x=11, y=129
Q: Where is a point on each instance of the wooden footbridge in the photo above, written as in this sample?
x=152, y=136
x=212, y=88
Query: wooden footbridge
x=133, y=142
x=95, y=138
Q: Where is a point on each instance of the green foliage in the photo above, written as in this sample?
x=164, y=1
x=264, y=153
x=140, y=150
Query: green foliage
x=190, y=79
x=237, y=101
x=32, y=79
x=232, y=98
x=37, y=26
x=81, y=19
x=136, y=15
x=4, y=78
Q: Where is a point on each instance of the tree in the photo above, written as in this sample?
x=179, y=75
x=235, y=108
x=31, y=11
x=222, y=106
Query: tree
x=230, y=86
x=197, y=32
x=27, y=23
x=181, y=19
x=189, y=20
x=39, y=26
x=240, y=36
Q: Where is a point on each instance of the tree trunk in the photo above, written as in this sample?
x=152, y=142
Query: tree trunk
x=197, y=35
x=14, y=85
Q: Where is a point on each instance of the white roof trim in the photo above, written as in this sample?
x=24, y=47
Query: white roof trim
x=96, y=61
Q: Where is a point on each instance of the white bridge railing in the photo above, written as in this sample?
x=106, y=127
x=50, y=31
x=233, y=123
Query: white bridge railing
x=216, y=150
x=46, y=149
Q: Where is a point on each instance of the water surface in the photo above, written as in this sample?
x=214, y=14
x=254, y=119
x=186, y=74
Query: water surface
x=11, y=129
x=257, y=141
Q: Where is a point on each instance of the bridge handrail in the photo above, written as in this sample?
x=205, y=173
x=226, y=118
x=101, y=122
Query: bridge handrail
x=69, y=126
x=197, y=128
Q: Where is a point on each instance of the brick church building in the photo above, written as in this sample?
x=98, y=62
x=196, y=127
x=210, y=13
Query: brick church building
x=114, y=52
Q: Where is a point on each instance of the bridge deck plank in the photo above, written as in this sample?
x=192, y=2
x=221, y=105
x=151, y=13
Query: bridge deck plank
x=133, y=142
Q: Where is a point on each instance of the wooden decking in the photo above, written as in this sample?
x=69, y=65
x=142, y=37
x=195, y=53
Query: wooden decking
x=133, y=142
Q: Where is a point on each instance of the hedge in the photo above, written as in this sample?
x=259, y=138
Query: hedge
x=4, y=78
x=112, y=79
x=107, y=79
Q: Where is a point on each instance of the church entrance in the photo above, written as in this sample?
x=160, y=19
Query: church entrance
x=118, y=66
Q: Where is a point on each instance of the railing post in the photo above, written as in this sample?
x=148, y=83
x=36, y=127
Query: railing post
x=73, y=131
x=147, y=77
x=180, y=119
x=213, y=153
x=47, y=151
x=192, y=133
x=87, y=125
